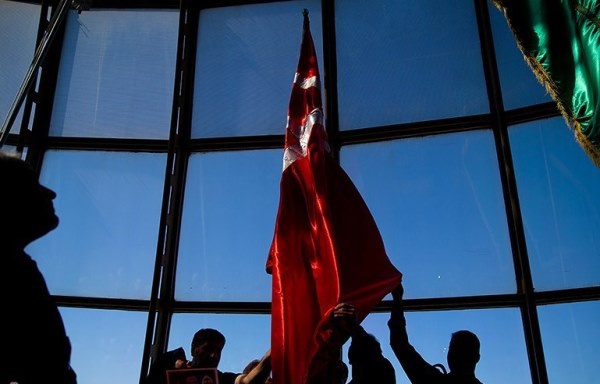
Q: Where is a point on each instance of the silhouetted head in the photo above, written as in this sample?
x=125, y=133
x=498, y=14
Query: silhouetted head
x=251, y=365
x=463, y=352
x=368, y=363
x=27, y=209
x=341, y=372
x=207, y=345
x=363, y=349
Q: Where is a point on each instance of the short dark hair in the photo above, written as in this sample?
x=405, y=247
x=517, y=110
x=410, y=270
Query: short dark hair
x=466, y=340
x=207, y=334
x=251, y=365
x=464, y=346
x=364, y=348
x=12, y=169
x=18, y=180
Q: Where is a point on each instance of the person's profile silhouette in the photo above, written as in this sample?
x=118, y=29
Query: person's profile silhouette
x=30, y=315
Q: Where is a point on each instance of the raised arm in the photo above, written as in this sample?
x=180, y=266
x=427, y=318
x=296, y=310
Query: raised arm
x=416, y=368
x=258, y=374
x=333, y=331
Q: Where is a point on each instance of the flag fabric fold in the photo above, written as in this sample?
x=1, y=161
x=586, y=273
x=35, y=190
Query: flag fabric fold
x=560, y=41
x=326, y=247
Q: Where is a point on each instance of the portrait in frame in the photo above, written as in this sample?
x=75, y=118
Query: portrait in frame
x=192, y=376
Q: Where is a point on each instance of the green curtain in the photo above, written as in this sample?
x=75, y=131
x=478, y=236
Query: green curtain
x=560, y=41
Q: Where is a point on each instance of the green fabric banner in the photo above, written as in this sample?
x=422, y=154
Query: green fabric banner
x=560, y=40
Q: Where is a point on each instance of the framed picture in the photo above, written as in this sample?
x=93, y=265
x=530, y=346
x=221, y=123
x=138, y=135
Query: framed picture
x=192, y=376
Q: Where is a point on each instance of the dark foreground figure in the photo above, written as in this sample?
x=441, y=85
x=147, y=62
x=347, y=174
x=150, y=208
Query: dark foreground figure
x=34, y=344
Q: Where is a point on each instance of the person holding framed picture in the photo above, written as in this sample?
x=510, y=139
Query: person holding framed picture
x=206, y=348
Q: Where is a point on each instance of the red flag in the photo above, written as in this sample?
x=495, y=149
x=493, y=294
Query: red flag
x=326, y=247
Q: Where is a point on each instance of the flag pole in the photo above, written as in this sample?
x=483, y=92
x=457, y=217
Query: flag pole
x=306, y=19
x=39, y=56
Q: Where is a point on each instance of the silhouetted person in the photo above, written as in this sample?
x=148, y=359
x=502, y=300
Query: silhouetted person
x=367, y=360
x=369, y=366
x=33, y=341
x=251, y=365
x=206, y=348
x=463, y=352
x=333, y=331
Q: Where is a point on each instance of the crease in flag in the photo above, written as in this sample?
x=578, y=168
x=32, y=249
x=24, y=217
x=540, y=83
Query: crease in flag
x=560, y=41
x=326, y=246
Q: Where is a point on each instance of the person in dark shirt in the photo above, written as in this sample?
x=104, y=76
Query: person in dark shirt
x=463, y=352
x=326, y=366
x=206, y=348
x=32, y=325
x=364, y=354
x=367, y=360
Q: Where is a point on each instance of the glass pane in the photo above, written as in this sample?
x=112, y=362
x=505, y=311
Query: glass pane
x=18, y=31
x=520, y=88
x=244, y=343
x=396, y=66
x=11, y=150
x=109, y=206
x=231, y=201
x=438, y=203
x=246, y=61
x=108, y=58
x=570, y=335
x=558, y=192
x=500, y=332
x=107, y=346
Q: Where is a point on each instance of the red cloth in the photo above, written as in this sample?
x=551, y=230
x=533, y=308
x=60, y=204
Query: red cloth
x=326, y=247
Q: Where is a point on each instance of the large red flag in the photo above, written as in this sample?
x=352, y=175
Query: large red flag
x=326, y=247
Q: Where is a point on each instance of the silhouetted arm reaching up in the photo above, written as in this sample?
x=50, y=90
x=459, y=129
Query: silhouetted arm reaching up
x=416, y=368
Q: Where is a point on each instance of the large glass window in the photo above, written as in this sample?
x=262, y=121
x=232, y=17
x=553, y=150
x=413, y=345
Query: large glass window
x=116, y=74
x=395, y=65
x=18, y=28
x=571, y=333
x=109, y=206
x=246, y=61
x=107, y=345
x=228, y=220
x=465, y=198
x=438, y=204
x=558, y=190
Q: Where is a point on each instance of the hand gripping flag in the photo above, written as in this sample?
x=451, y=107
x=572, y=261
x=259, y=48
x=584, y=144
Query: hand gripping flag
x=326, y=247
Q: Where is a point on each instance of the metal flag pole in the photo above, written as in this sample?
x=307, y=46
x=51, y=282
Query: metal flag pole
x=39, y=56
